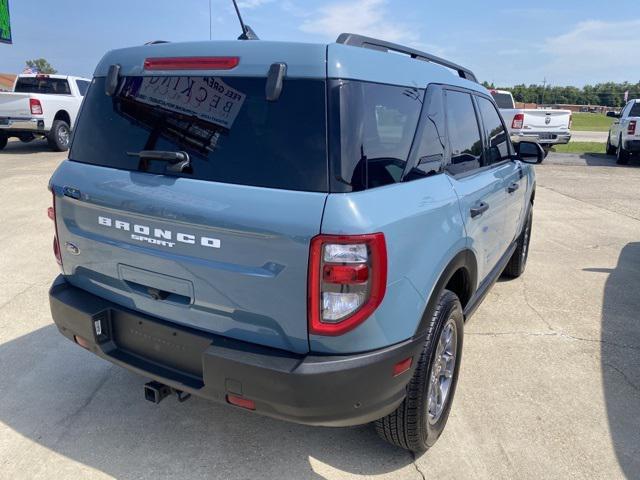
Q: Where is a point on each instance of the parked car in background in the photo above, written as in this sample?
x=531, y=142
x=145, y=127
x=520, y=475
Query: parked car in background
x=548, y=127
x=42, y=106
x=211, y=240
x=624, y=134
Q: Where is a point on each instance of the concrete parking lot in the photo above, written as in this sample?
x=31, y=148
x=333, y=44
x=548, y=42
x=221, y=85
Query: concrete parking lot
x=549, y=388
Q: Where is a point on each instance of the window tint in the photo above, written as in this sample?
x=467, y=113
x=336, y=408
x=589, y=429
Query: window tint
x=372, y=129
x=635, y=110
x=83, y=86
x=51, y=86
x=428, y=156
x=230, y=131
x=498, y=142
x=464, y=134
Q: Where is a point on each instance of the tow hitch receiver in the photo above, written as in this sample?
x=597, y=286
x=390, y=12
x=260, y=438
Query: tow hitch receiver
x=156, y=392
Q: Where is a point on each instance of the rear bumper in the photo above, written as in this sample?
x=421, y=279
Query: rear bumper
x=308, y=389
x=14, y=126
x=631, y=145
x=543, y=138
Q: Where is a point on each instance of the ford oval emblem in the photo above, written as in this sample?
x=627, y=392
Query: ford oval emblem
x=72, y=249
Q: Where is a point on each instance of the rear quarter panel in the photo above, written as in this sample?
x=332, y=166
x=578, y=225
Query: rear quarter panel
x=424, y=230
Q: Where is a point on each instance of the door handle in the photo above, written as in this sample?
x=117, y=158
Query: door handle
x=513, y=187
x=479, y=209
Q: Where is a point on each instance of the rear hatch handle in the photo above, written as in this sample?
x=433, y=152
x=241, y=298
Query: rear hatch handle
x=178, y=161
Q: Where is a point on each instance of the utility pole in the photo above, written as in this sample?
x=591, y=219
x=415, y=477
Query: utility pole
x=544, y=86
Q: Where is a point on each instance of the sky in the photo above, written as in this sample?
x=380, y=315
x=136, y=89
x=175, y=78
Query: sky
x=504, y=42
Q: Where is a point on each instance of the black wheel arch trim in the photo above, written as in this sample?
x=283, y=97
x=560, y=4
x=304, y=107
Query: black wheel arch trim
x=465, y=260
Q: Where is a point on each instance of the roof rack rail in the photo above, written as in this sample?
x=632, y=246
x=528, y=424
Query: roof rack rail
x=356, y=40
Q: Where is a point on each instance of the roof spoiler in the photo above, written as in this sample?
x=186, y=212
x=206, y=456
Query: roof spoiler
x=361, y=41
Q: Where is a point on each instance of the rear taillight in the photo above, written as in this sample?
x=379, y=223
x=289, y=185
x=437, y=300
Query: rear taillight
x=35, y=106
x=631, y=129
x=347, y=281
x=518, y=121
x=51, y=213
x=191, y=63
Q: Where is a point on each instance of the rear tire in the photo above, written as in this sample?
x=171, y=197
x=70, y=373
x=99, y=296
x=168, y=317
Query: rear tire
x=610, y=149
x=59, y=137
x=3, y=140
x=622, y=156
x=418, y=422
x=518, y=261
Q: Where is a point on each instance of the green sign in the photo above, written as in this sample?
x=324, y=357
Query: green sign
x=5, y=22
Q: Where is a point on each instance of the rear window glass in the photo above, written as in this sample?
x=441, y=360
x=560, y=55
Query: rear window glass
x=372, y=129
x=51, y=86
x=504, y=100
x=635, y=110
x=230, y=131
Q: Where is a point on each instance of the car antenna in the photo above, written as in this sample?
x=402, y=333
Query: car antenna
x=247, y=31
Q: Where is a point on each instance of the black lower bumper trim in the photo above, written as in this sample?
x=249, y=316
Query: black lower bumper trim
x=310, y=389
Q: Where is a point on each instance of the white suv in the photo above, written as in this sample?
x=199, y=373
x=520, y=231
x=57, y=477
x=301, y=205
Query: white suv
x=624, y=134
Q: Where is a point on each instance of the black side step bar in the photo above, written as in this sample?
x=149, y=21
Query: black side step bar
x=355, y=40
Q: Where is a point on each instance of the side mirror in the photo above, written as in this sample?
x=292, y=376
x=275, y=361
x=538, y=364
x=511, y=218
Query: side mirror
x=613, y=115
x=529, y=152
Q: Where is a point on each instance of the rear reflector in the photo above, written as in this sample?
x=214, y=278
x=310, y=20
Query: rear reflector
x=82, y=342
x=401, y=367
x=191, y=63
x=241, y=402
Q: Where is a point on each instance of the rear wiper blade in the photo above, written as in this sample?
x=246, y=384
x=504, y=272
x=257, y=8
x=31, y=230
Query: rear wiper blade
x=178, y=161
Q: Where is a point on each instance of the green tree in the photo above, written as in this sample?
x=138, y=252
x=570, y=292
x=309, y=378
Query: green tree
x=42, y=66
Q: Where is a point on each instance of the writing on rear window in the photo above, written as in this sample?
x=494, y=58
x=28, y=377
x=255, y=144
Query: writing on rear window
x=207, y=98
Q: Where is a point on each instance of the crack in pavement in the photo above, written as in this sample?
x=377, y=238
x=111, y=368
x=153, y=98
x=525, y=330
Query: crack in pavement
x=624, y=375
x=72, y=416
x=21, y=292
x=553, y=334
x=415, y=465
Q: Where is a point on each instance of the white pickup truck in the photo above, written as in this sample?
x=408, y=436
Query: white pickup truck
x=624, y=134
x=548, y=127
x=42, y=106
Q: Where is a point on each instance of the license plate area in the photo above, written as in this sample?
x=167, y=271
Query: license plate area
x=164, y=345
x=547, y=136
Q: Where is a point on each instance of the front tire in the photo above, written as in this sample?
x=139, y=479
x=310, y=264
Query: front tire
x=622, y=156
x=59, y=137
x=420, y=419
x=518, y=261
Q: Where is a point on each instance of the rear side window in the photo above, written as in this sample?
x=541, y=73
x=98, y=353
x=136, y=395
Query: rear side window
x=372, y=129
x=464, y=134
x=503, y=100
x=635, y=110
x=428, y=158
x=230, y=131
x=83, y=86
x=498, y=141
x=51, y=86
